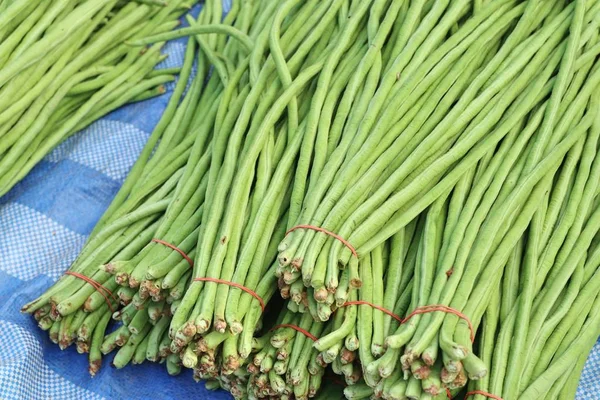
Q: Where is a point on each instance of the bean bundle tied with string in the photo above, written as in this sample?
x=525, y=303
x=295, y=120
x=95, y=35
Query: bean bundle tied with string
x=400, y=193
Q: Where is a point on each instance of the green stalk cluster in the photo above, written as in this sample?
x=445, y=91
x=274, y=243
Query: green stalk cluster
x=64, y=64
x=452, y=144
x=72, y=310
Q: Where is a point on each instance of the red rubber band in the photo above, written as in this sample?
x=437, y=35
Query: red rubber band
x=297, y=328
x=325, y=231
x=418, y=310
x=236, y=285
x=177, y=249
x=446, y=309
x=99, y=288
x=361, y=302
x=486, y=394
x=448, y=393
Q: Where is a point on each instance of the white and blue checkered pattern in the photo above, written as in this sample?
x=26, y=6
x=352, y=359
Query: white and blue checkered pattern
x=44, y=222
x=26, y=375
x=589, y=384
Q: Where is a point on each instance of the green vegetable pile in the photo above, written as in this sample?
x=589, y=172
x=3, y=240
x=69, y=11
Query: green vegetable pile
x=404, y=194
x=64, y=64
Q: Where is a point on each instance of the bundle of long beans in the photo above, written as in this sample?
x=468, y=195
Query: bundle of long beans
x=418, y=180
x=64, y=64
x=285, y=363
x=79, y=305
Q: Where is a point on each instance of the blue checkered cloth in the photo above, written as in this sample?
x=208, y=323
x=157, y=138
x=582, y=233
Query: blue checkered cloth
x=44, y=222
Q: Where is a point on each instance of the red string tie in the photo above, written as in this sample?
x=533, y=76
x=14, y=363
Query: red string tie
x=442, y=308
x=177, y=249
x=448, y=393
x=481, y=392
x=418, y=310
x=99, y=288
x=235, y=285
x=325, y=231
x=362, y=302
x=297, y=328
